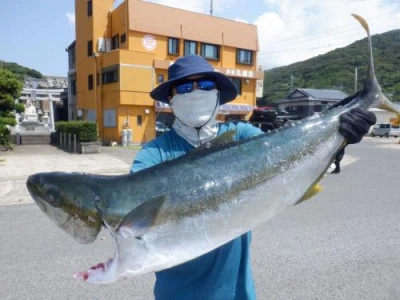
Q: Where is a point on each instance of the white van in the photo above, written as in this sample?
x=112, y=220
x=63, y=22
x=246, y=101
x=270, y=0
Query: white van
x=386, y=130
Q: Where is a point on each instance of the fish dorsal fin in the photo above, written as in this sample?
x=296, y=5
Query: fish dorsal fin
x=142, y=218
x=218, y=142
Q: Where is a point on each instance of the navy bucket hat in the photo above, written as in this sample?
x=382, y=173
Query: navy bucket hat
x=189, y=66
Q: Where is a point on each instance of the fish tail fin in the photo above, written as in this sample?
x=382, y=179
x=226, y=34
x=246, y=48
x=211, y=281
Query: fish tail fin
x=371, y=68
x=390, y=106
x=372, y=85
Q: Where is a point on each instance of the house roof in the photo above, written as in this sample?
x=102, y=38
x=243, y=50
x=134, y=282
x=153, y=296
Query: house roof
x=324, y=94
x=314, y=95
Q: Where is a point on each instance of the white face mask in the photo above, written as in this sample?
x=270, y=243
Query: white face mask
x=195, y=109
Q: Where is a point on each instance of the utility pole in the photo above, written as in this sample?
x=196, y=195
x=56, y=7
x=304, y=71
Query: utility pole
x=211, y=7
x=355, y=79
x=291, y=82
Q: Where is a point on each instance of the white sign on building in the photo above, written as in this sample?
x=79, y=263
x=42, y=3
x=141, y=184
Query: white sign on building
x=149, y=42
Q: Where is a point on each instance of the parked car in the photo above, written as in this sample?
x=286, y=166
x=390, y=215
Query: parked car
x=161, y=128
x=386, y=130
x=269, y=118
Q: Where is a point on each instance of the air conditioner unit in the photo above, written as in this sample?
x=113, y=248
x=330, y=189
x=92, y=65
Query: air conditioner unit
x=101, y=46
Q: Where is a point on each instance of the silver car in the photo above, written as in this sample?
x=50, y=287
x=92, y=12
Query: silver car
x=386, y=130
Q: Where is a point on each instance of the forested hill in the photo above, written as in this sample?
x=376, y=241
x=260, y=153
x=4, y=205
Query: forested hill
x=336, y=69
x=20, y=71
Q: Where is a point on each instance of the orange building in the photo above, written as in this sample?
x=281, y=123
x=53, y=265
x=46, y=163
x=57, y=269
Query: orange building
x=121, y=54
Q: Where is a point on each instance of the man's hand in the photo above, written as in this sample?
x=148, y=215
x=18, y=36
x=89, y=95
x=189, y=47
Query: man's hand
x=355, y=123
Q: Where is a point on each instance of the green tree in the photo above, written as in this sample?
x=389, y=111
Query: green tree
x=10, y=89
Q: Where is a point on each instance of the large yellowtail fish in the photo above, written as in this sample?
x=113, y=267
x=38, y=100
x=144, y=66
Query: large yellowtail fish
x=176, y=211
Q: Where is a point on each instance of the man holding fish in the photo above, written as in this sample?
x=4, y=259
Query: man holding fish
x=194, y=92
x=194, y=194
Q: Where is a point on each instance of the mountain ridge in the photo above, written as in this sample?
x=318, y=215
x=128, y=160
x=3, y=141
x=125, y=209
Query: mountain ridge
x=336, y=69
x=20, y=71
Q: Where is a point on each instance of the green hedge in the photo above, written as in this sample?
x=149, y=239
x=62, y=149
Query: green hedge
x=85, y=131
x=4, y=135
x=8, y=121
x=4, y=131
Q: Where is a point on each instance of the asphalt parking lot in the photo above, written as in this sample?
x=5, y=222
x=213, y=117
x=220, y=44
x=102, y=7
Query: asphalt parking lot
x=342, y=244
x=25, y=160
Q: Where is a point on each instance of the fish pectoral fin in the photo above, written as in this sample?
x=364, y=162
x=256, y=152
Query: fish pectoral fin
x=143, y=217
x=311, y=192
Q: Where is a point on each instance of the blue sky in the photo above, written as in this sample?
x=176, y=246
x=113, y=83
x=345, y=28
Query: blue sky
x=35, y=33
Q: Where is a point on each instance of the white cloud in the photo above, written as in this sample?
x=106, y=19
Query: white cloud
x=240, y=20
x=199, y=6
x=299, y=30
x=71, y=18
x=295, y=30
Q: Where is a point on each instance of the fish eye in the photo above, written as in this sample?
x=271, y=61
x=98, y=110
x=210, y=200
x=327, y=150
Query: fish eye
x=53, y=197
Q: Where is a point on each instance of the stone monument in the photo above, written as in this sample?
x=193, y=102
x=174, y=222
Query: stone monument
x=30, y=114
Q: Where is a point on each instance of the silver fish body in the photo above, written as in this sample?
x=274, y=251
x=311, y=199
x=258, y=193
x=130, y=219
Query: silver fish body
x=176, y=211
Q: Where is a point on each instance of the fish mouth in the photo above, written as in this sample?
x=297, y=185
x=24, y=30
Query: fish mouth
x=36, y=192
x=83, y=226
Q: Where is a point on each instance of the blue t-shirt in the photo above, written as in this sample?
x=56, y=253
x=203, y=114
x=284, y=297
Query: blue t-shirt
x=224, y=273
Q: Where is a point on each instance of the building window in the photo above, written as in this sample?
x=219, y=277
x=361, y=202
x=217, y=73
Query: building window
x=115, y=42
x=90, y=82
x=190, y=47
x=244, y=57
x=110, y=118
x=123, y=38
x=160, y=78
x=97, y=78
x=109, y=76
x=71, y=58
x=173, y=46
x=89, y=8
x=73, y=89
x=210, y=51
x=91, y=115
x=298, y=108
x=139, y=121
x=238, y=84
x=90, y=48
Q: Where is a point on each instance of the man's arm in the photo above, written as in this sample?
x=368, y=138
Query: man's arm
x=147, y=157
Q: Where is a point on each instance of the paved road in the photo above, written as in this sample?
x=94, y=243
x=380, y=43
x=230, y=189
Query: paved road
x=17, y=165
x=342, y=244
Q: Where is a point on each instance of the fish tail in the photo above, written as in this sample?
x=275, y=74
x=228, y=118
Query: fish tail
x=371, y=84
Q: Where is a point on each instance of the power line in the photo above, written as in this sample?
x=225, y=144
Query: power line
x=339, y=42
x=335, y=29
x=335, y=32
x=309, y=41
